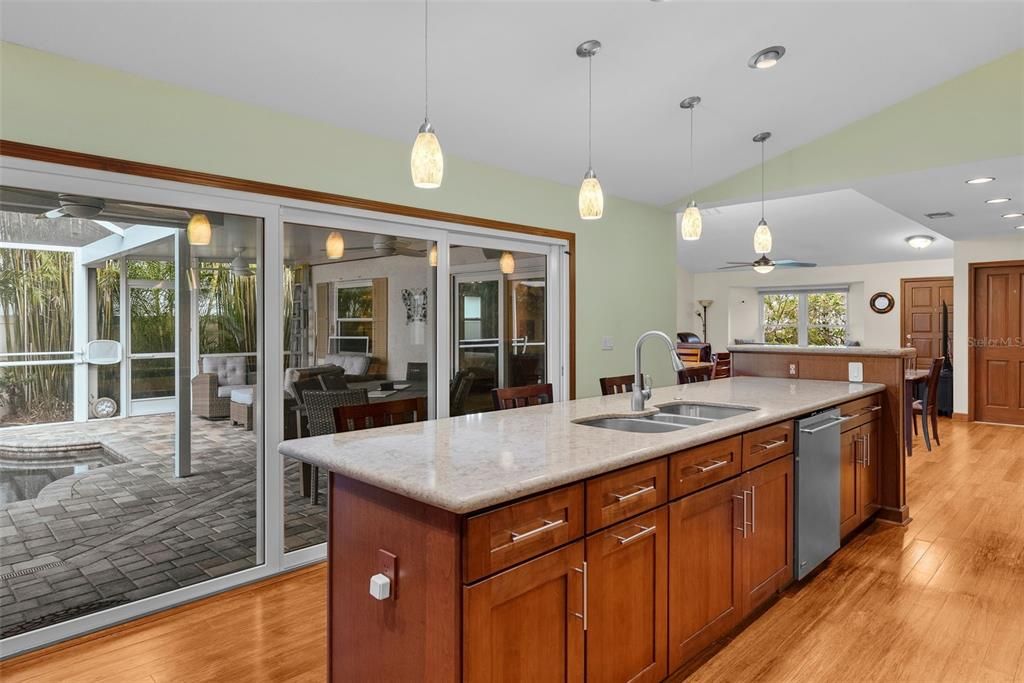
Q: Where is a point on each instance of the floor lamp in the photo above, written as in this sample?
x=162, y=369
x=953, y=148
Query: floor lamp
x=704, y=303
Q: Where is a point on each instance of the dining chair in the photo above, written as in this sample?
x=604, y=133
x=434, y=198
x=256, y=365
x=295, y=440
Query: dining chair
x=623, y=384
x=723, y=365
x=417, y=372
x=383, y=414
x=693, y=375
x=320, y=407
x=932, y=408
x=520, y=397
x=333, y=380
x=461, y=384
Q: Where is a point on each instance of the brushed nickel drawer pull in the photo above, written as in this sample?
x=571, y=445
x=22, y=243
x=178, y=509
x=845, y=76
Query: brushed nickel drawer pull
x=547, y=526
x=753, y=510
x=770, y=444
x=622, y=497
x=644, y=531
x=715, y=464
x=586, y=588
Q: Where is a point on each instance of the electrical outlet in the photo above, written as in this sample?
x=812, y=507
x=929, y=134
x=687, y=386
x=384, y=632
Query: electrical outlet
x=793, y=370
x=607, y=344
x=856, y=372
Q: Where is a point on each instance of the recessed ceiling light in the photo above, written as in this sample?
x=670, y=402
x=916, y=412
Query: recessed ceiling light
x=979, y=181
x=997, y=200
x=1015, y=214
x=766, y=58
x=920, y=241
x=1020, y=227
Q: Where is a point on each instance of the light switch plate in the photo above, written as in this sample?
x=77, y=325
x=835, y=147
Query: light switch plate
x=607, y=344
x=856, y=372
x=794, y=370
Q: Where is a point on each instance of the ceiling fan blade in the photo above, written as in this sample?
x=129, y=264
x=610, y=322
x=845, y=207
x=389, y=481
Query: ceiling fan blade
x=53, y=213
x=137, y=211
x=408, y=251
x=787, y=263
x=737, y=266
x=738, y=263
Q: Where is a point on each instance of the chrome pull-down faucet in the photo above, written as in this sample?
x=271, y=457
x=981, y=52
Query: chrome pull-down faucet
x=641, y=393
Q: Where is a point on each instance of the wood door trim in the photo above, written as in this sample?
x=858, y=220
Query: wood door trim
x=96, y=162
x=972, y=270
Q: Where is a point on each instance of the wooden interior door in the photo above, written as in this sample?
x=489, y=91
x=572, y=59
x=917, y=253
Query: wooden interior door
x=522, y=624
x=704, y=594
x=767, y=558
x=627, y=601
x=998, y=348
x=921, y=316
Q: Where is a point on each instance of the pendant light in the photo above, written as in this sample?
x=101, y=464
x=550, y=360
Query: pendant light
x=335, y=246
x=427, y=161
x=199, y=232
x=762, y=235
x=507, y=263
x=239, y=266
x=432, y=255
x=591, y=201
x=692, y=224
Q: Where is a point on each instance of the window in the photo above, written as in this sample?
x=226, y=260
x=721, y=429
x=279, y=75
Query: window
x=353, y=328
x=805, y=318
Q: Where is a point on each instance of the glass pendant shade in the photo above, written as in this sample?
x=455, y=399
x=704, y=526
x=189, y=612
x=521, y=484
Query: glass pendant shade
x=591, y=197
x=765, y=268
x=432, y=256
x=335, y=245
x=691, y=224
x=427, y=162
x=762, y=238
x=507, y=263
x=199, y=231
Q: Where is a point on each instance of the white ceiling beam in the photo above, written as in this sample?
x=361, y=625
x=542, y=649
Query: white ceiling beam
x=135, y=237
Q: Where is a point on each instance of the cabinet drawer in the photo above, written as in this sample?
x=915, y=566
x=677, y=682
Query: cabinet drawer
x=766, y=444
x=861, y=411
x=621, y=494
x=696, y=468
x=513, y=533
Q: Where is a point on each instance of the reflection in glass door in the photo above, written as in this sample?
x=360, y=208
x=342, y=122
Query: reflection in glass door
x=478, y=332
x=151, y=338
x=526, y=307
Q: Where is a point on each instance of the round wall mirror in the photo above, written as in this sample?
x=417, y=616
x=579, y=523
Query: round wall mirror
x=882, y=302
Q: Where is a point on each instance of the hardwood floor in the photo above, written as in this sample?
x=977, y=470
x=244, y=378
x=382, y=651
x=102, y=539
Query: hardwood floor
x=941, y=599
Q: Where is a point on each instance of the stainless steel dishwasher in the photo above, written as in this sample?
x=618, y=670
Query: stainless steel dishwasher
x=817, y=490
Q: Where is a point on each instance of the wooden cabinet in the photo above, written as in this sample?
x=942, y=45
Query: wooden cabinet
x=704, y=592
x=627, y=600
x=858, y=475
x=526, y=623
x=869, y=489
x=767, y=557
x=695, y=468
x=766, y=444
x=621, y=494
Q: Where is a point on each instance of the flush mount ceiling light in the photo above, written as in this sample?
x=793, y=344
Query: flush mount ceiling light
x=507, y=263
x=980, y=181
x=919, y=241
x=762, y=235
x=1015, y=214
x=427, y=161
x=199, y=232
x=591, y=200
x=691, y=224
x=997, y=200
x=766, y=58
x=335, y=246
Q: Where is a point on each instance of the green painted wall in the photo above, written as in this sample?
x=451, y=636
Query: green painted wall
x=977, y=115
x=626, y=278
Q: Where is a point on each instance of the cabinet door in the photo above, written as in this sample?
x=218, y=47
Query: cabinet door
x=849, y=464
x=526, y=623
x=705, y=545
x=867, y=486
x=627, y=600
x=767, y=557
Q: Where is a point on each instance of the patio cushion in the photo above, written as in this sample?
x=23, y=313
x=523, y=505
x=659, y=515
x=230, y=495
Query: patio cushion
x=354, y=363
x=242, y=396
x=224, y=390
x=230, y=370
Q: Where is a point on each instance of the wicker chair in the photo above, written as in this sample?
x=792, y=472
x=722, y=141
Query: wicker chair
x=212, y=387
x=320, y=407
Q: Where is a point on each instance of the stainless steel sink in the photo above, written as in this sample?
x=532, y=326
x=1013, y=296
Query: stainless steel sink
x=643, y=425
x=704, y=411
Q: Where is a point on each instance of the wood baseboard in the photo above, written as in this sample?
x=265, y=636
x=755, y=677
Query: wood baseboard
x=960, y=417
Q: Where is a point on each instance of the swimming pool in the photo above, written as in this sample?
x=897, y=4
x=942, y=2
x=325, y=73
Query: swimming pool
x=23, y=477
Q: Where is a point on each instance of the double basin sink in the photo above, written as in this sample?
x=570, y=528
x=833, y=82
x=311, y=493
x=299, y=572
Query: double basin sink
x=669, y=418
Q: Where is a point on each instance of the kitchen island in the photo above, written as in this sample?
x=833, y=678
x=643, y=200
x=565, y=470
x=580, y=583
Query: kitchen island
x=521, y=545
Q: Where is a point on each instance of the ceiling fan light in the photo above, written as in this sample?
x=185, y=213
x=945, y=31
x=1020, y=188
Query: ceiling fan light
x=199, y=230
x=432, y=256
x=762, y=238
x=507, y=263
x=692, y=224
x=238, y=265
x=427, y=161
x=591, y=197
x=765, y=268
x=335, y=245
x=920, y=241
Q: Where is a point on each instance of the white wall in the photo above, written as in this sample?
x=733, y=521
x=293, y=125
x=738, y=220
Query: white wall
x=402, y=272
x=735, y=311
x=965, y=253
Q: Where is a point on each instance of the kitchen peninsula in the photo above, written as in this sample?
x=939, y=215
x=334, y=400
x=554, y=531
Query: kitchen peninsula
x=522, y=545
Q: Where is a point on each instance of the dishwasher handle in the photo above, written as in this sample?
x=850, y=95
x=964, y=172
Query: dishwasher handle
x=833, y=423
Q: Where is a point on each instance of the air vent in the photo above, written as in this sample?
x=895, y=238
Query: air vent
x=938, y=214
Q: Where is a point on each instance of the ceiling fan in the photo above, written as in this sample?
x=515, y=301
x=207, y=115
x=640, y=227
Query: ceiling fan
x=92, y=208
x=766, y=265
x=384, y=245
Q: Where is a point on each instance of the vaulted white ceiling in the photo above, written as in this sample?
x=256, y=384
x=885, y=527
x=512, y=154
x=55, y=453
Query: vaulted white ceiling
x=508, y=90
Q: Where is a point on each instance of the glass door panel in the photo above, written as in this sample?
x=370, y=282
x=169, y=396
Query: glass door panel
x=478, y=324
x=151, y=337
x=527, y=324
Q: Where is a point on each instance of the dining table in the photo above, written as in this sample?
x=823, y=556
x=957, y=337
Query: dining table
x=912, y=379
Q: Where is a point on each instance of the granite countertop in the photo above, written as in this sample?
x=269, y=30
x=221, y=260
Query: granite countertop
x=826, y=350
x=467, y=463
